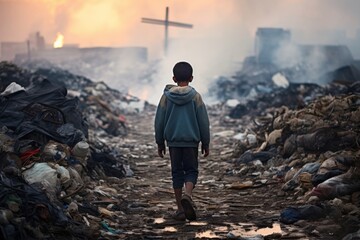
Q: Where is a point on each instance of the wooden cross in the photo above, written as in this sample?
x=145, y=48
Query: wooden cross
x=167, y=23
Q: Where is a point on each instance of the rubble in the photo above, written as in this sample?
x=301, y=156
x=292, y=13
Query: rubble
x=102, y=66
x=307, y=136
x=287, y=157
x=52, y=145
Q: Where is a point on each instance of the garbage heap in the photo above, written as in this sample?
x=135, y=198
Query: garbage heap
x=101, y=69
x=307, y=137
x=51, y=123
x=255, y=79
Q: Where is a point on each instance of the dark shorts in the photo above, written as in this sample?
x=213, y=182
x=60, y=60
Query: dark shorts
x=184, y=165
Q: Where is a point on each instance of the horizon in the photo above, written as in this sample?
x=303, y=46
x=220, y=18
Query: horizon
x=222, y=36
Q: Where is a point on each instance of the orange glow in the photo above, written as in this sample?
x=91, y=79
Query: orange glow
x=144, y=94
x=59, y=42
x=141, y=93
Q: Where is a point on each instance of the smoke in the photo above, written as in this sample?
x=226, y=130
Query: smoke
x=222, y=36
x=215, y=46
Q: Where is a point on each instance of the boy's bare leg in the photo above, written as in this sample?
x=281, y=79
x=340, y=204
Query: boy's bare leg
x=188, y=205
x=178, y=195
x=189, y=186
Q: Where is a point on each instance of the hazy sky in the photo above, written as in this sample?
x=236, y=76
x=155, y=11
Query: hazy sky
x=223, y=23
x=223, y=30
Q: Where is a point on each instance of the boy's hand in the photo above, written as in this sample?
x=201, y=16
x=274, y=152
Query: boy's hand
x=205, y=151
x=161, y=151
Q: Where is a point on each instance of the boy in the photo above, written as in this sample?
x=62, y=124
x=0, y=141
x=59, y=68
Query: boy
x=182, y=121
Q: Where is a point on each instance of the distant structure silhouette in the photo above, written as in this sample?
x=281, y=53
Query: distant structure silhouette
x=166, y=23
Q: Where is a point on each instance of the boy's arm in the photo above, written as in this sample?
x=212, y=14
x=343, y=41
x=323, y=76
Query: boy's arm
x=160, y=125
x=205, y=151
x=204, y=126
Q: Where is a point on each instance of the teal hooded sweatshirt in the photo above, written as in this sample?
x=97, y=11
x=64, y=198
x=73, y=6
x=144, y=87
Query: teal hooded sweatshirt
x=181, y=118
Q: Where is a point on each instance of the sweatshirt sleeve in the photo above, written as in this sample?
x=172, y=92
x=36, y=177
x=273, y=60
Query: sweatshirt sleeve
x=160, y=121
x=204, y=125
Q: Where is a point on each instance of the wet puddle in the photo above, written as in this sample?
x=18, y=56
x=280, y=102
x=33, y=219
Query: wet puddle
x=243, y=230
x=207, y=234
x=235, y=230
x=170, y=229
x=159, y=220
x=198, y=223
x=239, y=230
x=267, y=231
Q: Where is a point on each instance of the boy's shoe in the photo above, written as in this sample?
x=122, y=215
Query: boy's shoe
x=188, y=206
x=179, y=216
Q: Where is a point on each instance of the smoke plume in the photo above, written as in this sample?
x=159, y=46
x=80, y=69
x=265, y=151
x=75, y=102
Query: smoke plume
x=223, y=32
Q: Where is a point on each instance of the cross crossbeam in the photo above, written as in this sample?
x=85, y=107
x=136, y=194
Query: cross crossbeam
x=163, y=22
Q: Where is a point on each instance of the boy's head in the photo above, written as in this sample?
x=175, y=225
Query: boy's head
x=182, y=72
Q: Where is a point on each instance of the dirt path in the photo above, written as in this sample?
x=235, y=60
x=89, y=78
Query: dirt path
x=223, y=212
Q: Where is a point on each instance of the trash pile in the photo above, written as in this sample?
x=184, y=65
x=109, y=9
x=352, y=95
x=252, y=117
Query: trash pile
x=52, y=125
x=117, y=74
x=62, y=157
x=304, y=135
x=258, y=86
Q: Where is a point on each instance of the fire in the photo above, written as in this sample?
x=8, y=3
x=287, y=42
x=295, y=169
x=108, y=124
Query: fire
x=59, y=42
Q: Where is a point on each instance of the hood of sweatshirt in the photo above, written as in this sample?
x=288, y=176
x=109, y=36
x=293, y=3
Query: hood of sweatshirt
x=179, y=95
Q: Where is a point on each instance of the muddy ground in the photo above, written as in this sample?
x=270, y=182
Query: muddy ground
x=146, y=199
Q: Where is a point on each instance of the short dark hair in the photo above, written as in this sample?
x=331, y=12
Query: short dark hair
x=182, y=71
